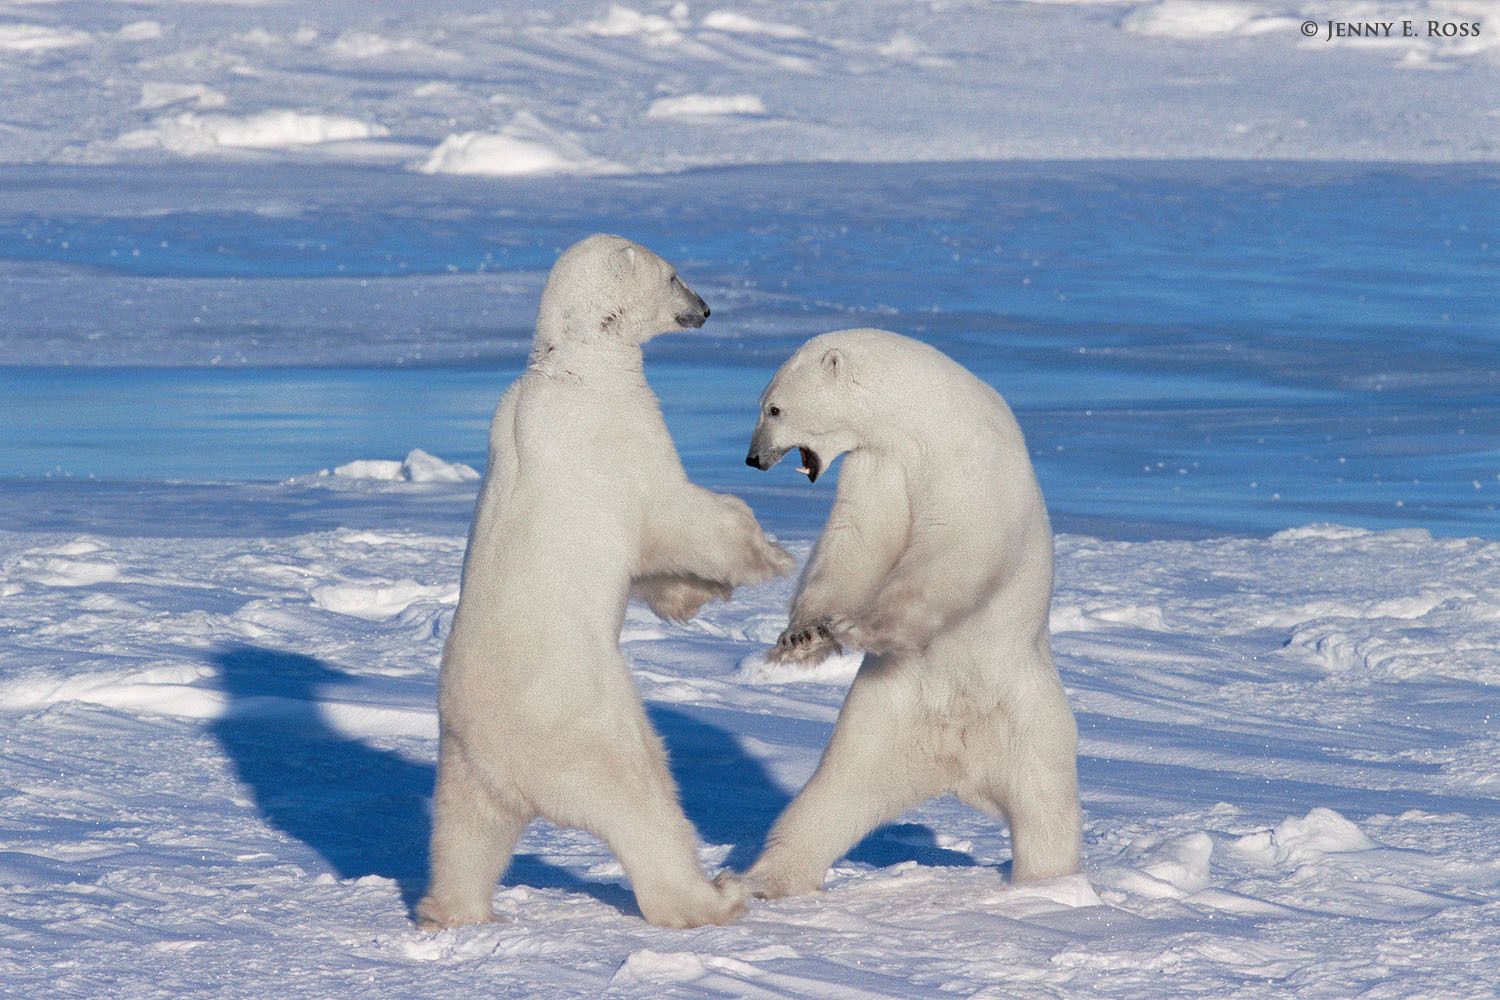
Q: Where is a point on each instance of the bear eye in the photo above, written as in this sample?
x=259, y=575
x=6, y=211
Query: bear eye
x=774, y=411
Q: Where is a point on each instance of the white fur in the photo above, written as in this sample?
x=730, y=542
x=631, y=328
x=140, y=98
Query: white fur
x=585, y=503
x=937, y=561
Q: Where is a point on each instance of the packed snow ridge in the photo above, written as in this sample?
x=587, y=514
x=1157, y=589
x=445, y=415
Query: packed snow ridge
x=192, y=134
x=705, y=106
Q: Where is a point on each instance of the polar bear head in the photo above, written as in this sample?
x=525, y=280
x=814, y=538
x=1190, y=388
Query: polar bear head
x=830, y=397
x=866, y=389
x=606, y=288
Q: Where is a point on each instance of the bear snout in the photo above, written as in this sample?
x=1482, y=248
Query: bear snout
x=763, y=460
x=696, y=315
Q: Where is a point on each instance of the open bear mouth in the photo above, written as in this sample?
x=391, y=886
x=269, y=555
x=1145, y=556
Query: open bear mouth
x=811, y=464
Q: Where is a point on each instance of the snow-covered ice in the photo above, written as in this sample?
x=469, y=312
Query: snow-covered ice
x=267, y=266
x=221, y=751
x=880, y=80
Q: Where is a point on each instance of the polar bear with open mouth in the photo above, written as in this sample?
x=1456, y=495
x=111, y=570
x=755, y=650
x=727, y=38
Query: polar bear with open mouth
x=937, y=562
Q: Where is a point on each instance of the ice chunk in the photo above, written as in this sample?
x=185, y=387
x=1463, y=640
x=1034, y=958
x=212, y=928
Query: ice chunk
x=497, y=154
x=420, y=467
x=417, y=467
x=706, y=106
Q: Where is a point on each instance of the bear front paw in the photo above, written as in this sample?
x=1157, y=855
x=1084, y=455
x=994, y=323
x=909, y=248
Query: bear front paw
x=759, y=558
x=778, y=561
x=678, y=599
x=805, y=645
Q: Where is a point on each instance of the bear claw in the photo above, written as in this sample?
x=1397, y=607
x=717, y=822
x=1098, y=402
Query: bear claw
x=805, y=644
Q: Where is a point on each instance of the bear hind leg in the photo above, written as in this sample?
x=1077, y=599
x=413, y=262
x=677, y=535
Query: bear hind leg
x=873, y=770
x=474, y=834
x=1038, y=799
x=628, y=799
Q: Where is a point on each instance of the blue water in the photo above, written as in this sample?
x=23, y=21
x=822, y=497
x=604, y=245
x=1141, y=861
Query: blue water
x=1191, y=348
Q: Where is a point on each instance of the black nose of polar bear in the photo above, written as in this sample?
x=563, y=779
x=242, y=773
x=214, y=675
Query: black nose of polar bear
x=694, y=317
x=753, y=460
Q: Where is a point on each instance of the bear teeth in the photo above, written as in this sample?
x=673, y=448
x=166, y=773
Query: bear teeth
x=811, y=466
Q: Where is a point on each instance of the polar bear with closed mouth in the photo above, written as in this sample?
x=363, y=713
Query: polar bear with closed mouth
x=584, y=505
x=937, y=562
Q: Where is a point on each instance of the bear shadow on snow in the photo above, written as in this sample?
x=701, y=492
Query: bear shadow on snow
x=365, y=811
x=732, y=799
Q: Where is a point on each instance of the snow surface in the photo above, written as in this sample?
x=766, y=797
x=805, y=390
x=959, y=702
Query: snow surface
x=219, y=754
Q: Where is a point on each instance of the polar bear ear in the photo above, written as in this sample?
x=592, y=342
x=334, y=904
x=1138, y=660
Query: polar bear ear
x=622, y=260
x=835, y=363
